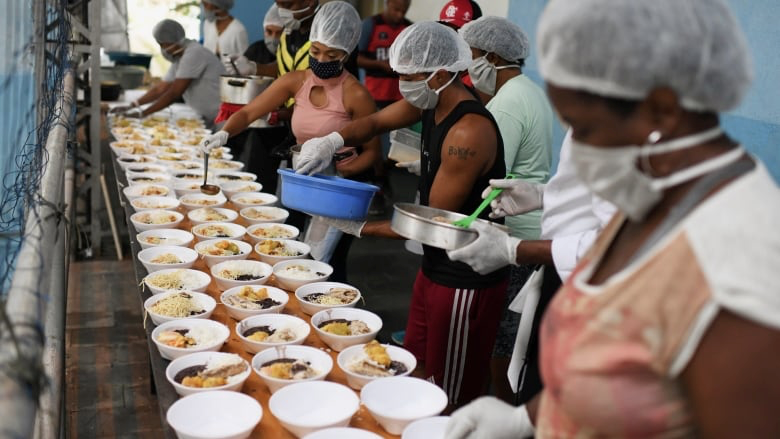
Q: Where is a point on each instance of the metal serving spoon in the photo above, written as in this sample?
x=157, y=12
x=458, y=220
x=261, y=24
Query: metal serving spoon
x=208, y=189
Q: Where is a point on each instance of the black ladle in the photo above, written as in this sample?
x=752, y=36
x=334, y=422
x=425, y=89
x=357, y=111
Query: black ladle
x=208, y=189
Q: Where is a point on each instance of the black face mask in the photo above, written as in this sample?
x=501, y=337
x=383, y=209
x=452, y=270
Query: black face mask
x=325, y=70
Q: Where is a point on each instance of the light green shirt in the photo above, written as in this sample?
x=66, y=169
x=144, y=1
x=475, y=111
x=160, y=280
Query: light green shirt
x=525, y=119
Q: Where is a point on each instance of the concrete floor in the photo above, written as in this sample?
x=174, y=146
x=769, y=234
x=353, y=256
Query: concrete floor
x=108, y=392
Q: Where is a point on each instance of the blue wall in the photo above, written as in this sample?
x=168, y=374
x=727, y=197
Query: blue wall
x=756, y=123
x=251, y=13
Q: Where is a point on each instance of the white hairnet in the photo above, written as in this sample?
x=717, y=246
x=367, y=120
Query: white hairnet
x=168, y=31
x=272, y=17
x=626, y=48
x=429, y=46
x=497, y=35
x=336, y=25
x=221, y=4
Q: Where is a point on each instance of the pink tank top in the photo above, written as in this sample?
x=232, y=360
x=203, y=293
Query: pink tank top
x=308, y=120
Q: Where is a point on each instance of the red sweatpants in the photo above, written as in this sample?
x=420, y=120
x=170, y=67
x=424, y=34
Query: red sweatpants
x=453, y=331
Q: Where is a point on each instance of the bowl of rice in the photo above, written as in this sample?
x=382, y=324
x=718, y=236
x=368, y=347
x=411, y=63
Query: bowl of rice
x=175, y=305
x=142, y=168
x=251, y=300
x=183, y=188
x=230, y=176
x=218, y=230
x=161, y=257
x=231, y=274
x=260, y=232
x=363, y=363
x=296, y=273
x=177, y=338
x=264, y=214
x=152, y=202
x=290, y=365
x=146, y=190
x=127, y=160
x=215, y=251
x=156, y=219
x=264, y=331
x=148, y=178
x=340, y=328
x=318, y=296
x=165, y=237
x=199, y=201
x=177, y=279
x=226, y=165
x=207, y=371
x=272, y=251
x=242, y=200
x=232, y=188
x=204, y=215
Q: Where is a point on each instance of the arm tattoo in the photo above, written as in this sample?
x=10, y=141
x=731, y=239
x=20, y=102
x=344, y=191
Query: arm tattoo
x=461, y=152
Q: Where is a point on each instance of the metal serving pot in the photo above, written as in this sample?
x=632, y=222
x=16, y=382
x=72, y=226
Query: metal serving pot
x=416, y=222
x=242, y=89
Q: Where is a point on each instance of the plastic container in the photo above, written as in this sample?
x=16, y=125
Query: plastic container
x=404, y=145
x=329, y=196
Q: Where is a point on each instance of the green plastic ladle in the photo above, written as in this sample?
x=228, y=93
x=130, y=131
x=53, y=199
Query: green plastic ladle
x=466, y=222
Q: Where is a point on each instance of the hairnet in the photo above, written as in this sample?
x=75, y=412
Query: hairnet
x=225, y=5
x=497, y=35
x=272, y=17
x=626, y=48
x=168, y=31
x=429, y=46
x=336, y=25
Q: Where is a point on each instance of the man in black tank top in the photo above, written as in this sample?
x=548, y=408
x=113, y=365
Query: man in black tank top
x=454, y=311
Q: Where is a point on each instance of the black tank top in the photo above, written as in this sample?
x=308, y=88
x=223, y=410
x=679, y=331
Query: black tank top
x=435, y=264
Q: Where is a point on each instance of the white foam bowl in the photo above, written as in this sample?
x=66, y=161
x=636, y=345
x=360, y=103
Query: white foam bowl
x=187, y=187
x=274, y=293
x=257, y=232
x=293, y=283
x=195, y=280
x=170, y=237
x=355, y=352
x=342, y=433
x=211, y=260
x=166, y=158
x=148, y=178
x=220, y=332
x=319, y=361
x=234, y=187
x=301, y=248
x=220, y=165
x=146, y=190
x=395, y=402
x=218, y=414
x=142, y=168
x=183, y=166
x=137, y=220
x=339, y=342
x=230, y=176
x=201, y=358
x=260, y=269
x=303, y=408
x=204, y=300
x=198, y=216
x=126, y=160
x=195, y=201
x=129, y=147
x=276, y=322
x=427, y=428
x=242, y=200
x=322, y=287
x=233, y=231
x=186, y=255
x=264, y=214
x=145, y=203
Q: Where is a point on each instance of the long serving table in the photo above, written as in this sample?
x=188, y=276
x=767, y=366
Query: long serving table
x=269, y=426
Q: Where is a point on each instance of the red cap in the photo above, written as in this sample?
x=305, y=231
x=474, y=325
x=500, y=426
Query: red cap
x=459, y=12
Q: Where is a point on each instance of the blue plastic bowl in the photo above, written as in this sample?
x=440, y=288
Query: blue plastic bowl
x=334, y=197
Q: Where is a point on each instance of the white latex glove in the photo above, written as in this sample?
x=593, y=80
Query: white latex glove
x=119, y=109
x=317, y=153
x=213, y=141
x=492, y=249
x=134, y=112
x=413, y=167
x=517, y=197
x=346, y=226
x=489, y=418
x=243, y=64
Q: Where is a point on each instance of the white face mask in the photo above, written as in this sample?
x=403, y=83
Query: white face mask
x=483, y=74
x=612, y=173
x=289, y=21
x=419, y=94
x=272, y=44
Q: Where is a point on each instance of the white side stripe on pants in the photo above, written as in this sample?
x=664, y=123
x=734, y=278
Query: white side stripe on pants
x=458, y=334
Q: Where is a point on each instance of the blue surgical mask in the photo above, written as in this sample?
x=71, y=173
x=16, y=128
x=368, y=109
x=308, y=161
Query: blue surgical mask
x=326, y=70
x=419, y=94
